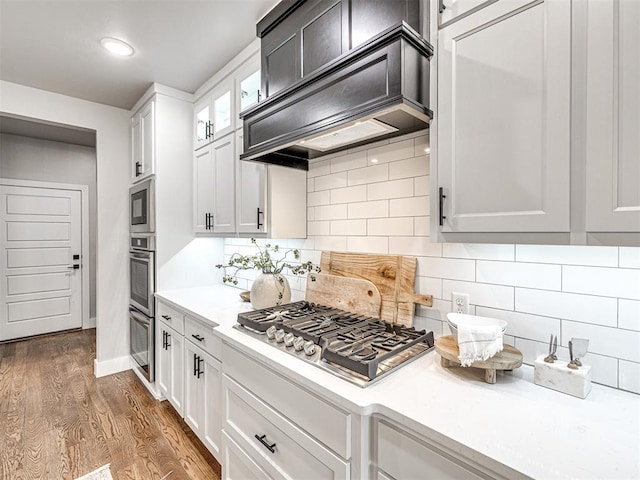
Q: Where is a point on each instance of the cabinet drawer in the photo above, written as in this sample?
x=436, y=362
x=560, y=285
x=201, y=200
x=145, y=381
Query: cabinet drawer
x=172, y=317
x=325, y=422
x=202, y=335
x=402, y=456
x=282, y=449
x=237, y=464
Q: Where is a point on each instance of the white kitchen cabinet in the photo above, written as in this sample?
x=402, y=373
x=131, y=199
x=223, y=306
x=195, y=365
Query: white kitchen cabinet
x=251, y=183
x=143, y=142
x=202, y=396
x=503, y=118
x=214, y=187
x=613, y=116
x=215, y=114
x=399, y=455
x=284, y=429
x=247, y=81
x=452, y=10
x=238, y=465
x=169, y=366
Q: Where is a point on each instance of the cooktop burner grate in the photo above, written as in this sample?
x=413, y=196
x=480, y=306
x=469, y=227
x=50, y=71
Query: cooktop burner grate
x=358, y=348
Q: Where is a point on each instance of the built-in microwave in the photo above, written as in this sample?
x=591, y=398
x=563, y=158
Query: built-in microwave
x=142, y=207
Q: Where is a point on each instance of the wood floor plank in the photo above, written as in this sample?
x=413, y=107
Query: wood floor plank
x=58, y=421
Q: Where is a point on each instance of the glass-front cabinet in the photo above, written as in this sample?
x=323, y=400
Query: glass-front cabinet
x=248, y=85
x=214, y=115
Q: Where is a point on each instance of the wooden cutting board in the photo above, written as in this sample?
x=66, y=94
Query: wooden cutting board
x=350, y=294
x=393, y=275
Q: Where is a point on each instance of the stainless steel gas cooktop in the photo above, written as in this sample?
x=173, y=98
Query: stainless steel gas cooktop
x=358, y=348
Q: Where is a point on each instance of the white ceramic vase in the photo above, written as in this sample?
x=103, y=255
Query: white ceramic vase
x=269, y=290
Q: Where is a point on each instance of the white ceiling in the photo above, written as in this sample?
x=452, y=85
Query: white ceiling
x=55, y=44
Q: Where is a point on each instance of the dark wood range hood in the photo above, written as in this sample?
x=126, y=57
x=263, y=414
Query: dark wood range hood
x=337, y=74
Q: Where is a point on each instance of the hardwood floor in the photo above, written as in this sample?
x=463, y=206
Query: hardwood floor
x=57, y=421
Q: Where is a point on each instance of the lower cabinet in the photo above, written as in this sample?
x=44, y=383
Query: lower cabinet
x=237, y=463
x=188, y=374
x=202, y=397
x=264, y=438
x=170, y=364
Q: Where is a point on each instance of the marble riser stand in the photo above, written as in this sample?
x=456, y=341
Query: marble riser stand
x=558, y=376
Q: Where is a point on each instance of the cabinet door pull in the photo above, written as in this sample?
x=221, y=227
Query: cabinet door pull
x=138, y=169
x=167, y=318
x=197, y=337
x=200, y=370
x=441, y=197
x=441, y=6
x=209, y=132
x=259, y=96
x=196, y=364
x=168, y=338
x=164, y=340
x=270, y=447
x=258, y=213
x=208, y=220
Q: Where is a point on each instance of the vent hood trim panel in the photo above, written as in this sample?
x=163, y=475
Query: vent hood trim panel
x=390, y=72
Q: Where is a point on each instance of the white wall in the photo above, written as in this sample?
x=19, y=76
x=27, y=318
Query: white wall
x=42, y=160
x=112, y=159
x=357, y=205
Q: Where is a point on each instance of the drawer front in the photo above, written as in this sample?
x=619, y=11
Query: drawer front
x=402, y=456
x=282, y=449
x=237, y=464
x=202, y=335
x=325, y=422
x=172, y=317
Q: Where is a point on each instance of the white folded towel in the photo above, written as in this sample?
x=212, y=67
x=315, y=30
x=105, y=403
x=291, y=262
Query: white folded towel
x=478, y=343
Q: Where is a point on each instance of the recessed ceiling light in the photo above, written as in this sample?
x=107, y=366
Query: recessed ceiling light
x=117, y=47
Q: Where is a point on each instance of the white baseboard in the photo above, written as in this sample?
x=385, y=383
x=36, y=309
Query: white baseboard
x=108, y=367
x=90, y=323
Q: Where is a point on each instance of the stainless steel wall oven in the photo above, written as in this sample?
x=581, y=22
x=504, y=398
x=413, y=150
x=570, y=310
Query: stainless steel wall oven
x=141, y=303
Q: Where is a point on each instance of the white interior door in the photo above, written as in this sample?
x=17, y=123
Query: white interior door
x=41, y=231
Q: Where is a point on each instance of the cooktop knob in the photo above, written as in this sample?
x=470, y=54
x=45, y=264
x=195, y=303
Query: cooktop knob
x=288, y=339
x=309, y=348
x=271, y=332
x=298, y=343
x=280, y=336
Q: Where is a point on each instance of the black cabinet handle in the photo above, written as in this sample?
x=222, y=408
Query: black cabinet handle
x=208, y=130
x=270, y=447
x=441, y=6
x=138, y=169
x=258, y=213
x=167, y=318
x=259, y=96
x=197, y=337
x=200, y=370
x=164, y=340
x=208, y=221
x=441, y=197
x=196, y=364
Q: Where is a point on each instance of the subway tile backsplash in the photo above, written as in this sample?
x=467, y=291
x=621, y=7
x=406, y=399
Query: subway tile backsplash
x=377, y=200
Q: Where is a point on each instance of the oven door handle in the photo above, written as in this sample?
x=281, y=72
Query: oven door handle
x=139, y=317
x=140, y=255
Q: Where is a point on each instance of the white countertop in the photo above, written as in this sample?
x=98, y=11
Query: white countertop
x=538, y=432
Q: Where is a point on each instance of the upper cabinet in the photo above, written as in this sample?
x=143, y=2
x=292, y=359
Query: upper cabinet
x=214, y=114
x=503, y=117
x=247, y=81
x=537, y=142
x=613, y=116
x=143, y=142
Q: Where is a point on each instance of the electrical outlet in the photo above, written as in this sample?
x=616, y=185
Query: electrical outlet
x=460, y=302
